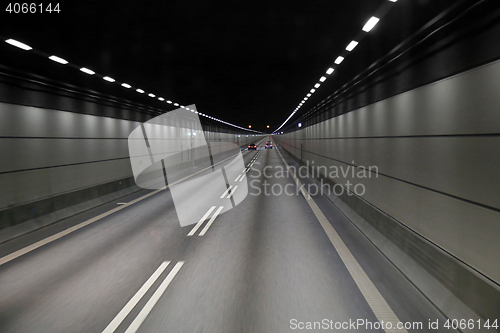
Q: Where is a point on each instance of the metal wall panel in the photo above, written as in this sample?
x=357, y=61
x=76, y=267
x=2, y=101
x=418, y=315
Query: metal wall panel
x=46, y=153
x=443, y=137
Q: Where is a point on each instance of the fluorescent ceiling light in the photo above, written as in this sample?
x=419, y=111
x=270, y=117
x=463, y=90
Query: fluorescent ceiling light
x=351, y=45
x=317, y=85
x=329, y=71
x=169, y=102
x=339, y=60
x=140, y=91
x=57, y=59
x=322, y=79
x=312, y=91
x=109, y=79
x=176, y=104
x=370, y=24
x=151, y=95
x=308, y=95
x=87, y=71
x=126, y=85
x=161, y=99
x=18, y=44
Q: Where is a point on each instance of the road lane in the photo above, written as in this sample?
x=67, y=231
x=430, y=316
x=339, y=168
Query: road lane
x=260, y=265
x=83, y=279
x=264, y=263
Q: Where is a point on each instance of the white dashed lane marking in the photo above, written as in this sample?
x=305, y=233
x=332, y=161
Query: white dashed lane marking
x=113, y=325
x=232, y=192
x=154, y=299
x=212, y=219
x=200, y=222
x=226, y=192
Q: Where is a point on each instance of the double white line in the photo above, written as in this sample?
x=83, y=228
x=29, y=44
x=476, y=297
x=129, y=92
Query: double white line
x=229, y=192
x=249, y=166
x=134, y=326
x=240, y=178
x=200, y=222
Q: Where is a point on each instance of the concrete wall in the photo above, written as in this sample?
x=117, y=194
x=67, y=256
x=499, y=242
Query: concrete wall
x=437, y=151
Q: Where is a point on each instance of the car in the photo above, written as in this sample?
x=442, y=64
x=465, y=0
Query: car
x=252, y=146
x=269, y=145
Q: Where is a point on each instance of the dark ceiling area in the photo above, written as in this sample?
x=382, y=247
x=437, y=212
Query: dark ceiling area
x=243, y=62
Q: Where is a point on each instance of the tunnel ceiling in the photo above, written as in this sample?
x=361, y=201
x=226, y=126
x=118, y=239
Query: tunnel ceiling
x=244, y=62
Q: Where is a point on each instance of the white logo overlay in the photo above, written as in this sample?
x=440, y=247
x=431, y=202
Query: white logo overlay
x=172, y=150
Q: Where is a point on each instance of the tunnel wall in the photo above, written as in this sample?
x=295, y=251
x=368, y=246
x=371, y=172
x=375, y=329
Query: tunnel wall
x=434, y=156
x=59, y=162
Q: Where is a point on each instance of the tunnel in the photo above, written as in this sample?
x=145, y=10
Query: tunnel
x=250, y=167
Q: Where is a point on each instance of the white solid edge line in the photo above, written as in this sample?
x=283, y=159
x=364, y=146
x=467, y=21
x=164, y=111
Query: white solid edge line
x=242, y=177
x=63, y=233
x=237, y=178
x=297, y=181
x=60, y=234
x=226, y=192
x=200, y=222
x=212, y=219
x=232, y=192
x=135, y=299
x=375, y=300
x=154, y=299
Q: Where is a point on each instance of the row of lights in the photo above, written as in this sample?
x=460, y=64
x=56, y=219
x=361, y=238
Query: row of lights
x=125, y=85
x=369, y=25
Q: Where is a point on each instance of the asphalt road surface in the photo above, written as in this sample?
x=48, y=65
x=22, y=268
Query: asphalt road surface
x=266, y=265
